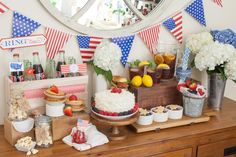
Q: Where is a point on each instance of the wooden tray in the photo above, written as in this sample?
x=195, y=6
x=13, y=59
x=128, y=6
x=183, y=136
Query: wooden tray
x=155, y=126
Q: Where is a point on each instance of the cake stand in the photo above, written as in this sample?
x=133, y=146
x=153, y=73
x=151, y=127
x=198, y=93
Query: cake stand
x=115, y=133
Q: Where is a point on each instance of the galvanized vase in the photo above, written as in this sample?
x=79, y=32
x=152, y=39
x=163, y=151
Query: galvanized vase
x=216, y=88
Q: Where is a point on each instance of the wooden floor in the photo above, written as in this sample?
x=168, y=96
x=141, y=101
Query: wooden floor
x=134, y=144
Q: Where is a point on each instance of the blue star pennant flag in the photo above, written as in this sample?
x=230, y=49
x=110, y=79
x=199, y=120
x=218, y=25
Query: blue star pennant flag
x=22, y=25
x=196, y=10
x=125, y=44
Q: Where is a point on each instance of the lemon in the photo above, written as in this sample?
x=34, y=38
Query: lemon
x=163, y=66
x=147, y=81
x=136, y=81
x=143, y=63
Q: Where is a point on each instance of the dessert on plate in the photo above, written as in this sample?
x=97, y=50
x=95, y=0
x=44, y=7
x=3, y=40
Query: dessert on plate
x=53, y=94
x=160, y=114
x=175, y=111
x=120, y=82
x=114, y=102
x=76, y=103
x=145, y=118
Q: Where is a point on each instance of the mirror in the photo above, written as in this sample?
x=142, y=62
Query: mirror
x=106, y=14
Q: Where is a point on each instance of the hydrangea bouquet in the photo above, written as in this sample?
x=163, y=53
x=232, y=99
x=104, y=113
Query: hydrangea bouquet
x=214, y=52
x=106, y=58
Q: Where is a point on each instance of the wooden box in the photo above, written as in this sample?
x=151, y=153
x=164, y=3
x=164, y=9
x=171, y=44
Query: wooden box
x=11, y=135
x=61, y=126
x=33, y=90
x=164, y=93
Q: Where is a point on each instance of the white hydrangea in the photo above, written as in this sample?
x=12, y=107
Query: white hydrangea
x=212, y=55
x=230, y=68
x=196, y=41
x=107, y=55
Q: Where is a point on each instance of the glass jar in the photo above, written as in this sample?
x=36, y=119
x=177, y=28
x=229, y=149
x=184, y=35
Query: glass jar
x=169, y=54
x=72, y=60
x=50, y=71
x=43, y=131
x=29, y=71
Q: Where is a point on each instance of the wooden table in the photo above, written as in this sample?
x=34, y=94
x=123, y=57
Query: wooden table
x=211, y=139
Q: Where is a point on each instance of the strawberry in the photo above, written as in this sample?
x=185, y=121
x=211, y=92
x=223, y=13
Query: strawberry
x=116, y=90
x=181, y=85
x=54, y=89
x=68, y=111
x=193, y=86
x=73, y=97
x=201, y=92
x=188, y=82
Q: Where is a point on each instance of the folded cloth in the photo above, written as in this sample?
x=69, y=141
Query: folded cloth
x=93, y=136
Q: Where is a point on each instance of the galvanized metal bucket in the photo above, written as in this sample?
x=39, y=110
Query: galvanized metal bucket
x=193, y=107
x=216, y=88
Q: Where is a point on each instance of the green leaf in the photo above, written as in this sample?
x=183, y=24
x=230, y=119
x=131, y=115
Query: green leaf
x=234, y=81
x=108, y=75
x=192, y=64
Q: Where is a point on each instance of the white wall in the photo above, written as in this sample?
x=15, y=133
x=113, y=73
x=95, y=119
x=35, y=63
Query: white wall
x=217, y=18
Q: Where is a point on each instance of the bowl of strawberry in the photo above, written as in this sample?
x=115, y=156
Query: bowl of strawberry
x=194, y=95
x=114, y=115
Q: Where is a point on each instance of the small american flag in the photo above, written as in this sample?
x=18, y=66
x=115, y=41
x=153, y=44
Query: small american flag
x=174, y=25
x=3, y=8
x=81, y=68
x=56, y=40
x=218, y=2
x=87, y=46
x=151, y=36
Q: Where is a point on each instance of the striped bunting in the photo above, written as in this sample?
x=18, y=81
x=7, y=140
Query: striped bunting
x=56, y=40
x=88, y=46
x=3, y=8
x=175, y=26
x=81, y=68
x=218, y=2
x=150, y=37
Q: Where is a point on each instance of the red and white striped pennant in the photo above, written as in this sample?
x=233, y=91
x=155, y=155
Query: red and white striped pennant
x=218, y=2
x=3, y=8
x=56, y=40
x=150, y=36
x=175, y=26
x=81, y=68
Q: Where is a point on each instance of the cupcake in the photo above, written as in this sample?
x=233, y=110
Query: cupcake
x=160, y=114
x=175, y=111
x=145, y=118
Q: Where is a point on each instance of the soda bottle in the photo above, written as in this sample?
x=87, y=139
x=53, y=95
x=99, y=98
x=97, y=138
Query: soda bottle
x=38, y=69
x=17, y=76
x=61, y=61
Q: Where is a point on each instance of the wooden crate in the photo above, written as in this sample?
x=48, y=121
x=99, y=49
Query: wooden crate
x=164, y=93
x=33, y=90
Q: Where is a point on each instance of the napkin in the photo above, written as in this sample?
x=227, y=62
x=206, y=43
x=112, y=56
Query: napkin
x=93, y=136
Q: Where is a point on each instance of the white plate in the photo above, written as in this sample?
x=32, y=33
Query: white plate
x=114, y=117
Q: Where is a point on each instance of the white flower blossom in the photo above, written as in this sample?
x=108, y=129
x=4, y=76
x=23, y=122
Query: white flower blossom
x=213, y=55
x=230, y=68
x=196, y=41
x=107, y=55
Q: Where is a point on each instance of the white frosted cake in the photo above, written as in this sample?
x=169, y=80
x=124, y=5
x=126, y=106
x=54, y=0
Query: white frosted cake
x=114, y=101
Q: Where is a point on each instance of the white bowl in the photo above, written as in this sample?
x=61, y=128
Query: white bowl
x=145, y=120
x=175, y=114
x=160, y=117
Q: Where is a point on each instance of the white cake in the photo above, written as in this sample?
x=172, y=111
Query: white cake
x=114, y=102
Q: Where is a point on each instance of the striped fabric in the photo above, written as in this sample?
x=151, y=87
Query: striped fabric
x=151, y=36
x=81, y=68
x=56, y=40
x=219, y=2
x=175, y=26
x=3, y=8
x=88, y=46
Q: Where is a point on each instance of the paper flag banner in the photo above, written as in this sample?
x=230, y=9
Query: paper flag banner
x=150, y=37
x=22, y=25
x=88, y=46
x=185, y=59
x=125, y=44
x=175, y=26
x=74, y=68
x=3, y=8
x=218, y=2
x=56, y=40
x=196, y=10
